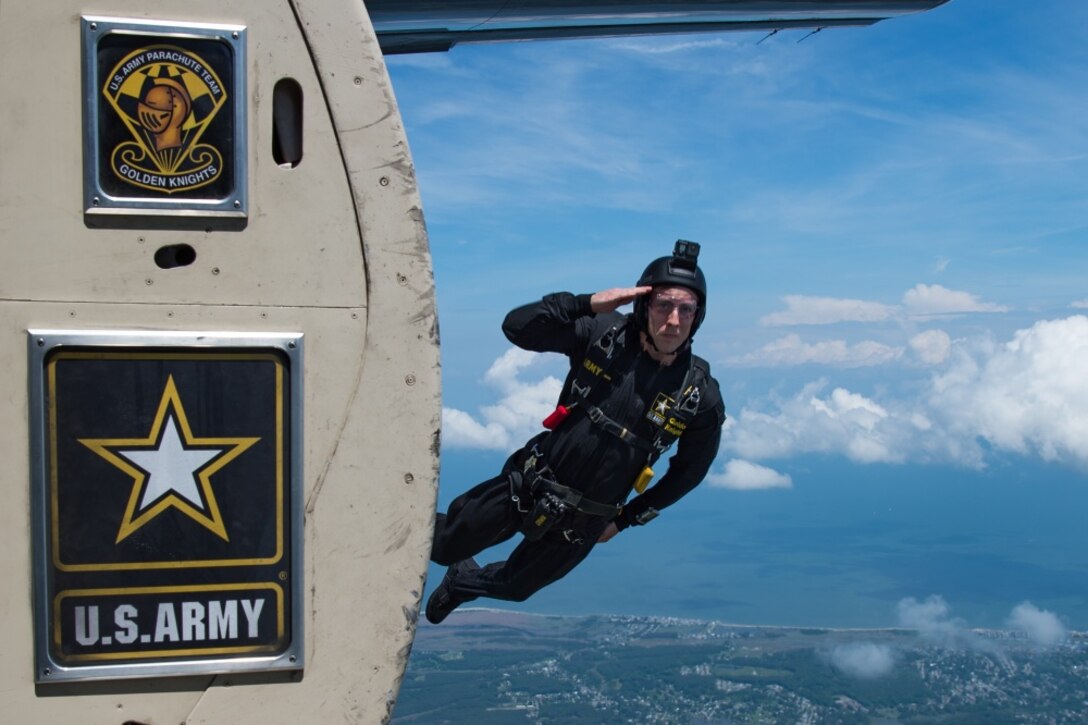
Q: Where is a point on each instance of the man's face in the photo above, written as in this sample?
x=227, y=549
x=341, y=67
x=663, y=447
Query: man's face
x=672, y=312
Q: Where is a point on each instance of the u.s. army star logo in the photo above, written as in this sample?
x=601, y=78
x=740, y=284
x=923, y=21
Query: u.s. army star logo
x=171, y=467
x=659, y=411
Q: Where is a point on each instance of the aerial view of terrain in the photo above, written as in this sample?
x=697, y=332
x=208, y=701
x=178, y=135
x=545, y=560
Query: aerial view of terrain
x=488, y=666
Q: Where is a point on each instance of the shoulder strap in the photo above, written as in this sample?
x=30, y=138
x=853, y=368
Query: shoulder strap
x=598, y=359
x=688, y=398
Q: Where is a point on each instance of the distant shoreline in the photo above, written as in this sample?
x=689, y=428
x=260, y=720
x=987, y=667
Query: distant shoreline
x=985, y=631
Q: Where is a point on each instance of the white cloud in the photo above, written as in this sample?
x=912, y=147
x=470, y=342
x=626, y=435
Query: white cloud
x=791, y=350
x=1042, y=627
x=1029, y=395
x=842, y=422
x=1080, y=304
x=803, y=310
x=932, y=346
x=927, y=300
x=461, y=430
x=515, y=417
x=930, y=617
x=863, y=660
x=932, y=620
x=922, y=300
x=746, y=476
x=941, y=264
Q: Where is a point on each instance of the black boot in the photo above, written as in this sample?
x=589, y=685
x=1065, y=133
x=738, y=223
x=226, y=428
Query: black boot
x=442, y=600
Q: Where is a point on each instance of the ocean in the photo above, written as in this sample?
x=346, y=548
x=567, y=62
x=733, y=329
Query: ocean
x=841, y=548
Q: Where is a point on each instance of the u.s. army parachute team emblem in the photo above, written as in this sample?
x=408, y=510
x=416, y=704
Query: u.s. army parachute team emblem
x=166, y=96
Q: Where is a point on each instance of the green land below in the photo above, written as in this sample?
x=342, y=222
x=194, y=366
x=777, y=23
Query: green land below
x=491, y=666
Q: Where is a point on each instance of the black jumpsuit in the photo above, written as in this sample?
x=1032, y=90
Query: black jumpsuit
x=582, y=455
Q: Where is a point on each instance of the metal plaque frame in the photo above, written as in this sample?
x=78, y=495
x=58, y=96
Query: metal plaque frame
x=166, y=503
x=165, y=124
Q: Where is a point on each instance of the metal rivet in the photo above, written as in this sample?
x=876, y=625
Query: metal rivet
x=408, y=478
x=94, y=26
x=410, y=379
x=234, y=35
x=291, y=344
x=215, y=270
x=95, y=201
x=237, y=204
x=358, y=80
x=401, y=279
x=384, y=181
x=41, y=343
x=149, y=281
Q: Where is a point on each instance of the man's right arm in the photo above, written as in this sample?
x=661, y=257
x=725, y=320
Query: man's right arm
x=552, y=324
x=563, y=322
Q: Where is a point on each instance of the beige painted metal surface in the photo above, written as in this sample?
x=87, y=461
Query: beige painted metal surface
x=335, y=249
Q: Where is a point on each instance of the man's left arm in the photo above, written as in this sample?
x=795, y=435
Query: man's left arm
x=696, y=450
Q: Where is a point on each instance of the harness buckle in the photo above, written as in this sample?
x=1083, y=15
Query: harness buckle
x=689, y=403
x=607, y=341
x=572, y=537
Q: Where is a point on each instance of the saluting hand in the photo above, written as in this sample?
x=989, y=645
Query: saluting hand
x=611, y=299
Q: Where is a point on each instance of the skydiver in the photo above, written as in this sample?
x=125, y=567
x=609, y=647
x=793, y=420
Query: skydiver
x=634, y=388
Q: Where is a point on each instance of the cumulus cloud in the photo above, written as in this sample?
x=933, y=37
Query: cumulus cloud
x=515, y=417
x=746, y=476
x=813, y=422
x=1042, y=627
x=925, y=300
x=791, y=350
x=922, y=300
x=804, y=310
x=863, y=660
x=932, y=346
x=933, y=621
x=1028, y=395
x=931, y=617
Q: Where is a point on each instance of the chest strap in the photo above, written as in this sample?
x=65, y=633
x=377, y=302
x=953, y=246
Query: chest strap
x=598, y=417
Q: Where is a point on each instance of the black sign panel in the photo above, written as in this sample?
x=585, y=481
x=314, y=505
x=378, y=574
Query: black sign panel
x=164, y=122
x=168, y=503
x=166, y=117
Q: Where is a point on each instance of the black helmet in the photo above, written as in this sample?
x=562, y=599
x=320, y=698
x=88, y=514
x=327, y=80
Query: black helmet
x=679, y=270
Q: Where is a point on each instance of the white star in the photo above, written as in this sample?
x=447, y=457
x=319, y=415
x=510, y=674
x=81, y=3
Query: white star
x=171, y=467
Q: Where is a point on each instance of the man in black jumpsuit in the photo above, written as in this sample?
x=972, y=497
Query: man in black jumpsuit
x=609, y=428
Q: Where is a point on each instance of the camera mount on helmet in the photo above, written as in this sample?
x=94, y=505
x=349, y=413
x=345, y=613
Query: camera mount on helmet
x=679, y=270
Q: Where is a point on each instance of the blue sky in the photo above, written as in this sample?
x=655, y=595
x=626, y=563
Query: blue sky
x=894, y=224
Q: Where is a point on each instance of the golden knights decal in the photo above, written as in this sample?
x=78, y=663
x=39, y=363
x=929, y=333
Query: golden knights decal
x=167, y=502
x=164, y=121
x=166, y=97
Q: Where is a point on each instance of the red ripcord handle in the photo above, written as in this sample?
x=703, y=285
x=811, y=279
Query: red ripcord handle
x=556, y=417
